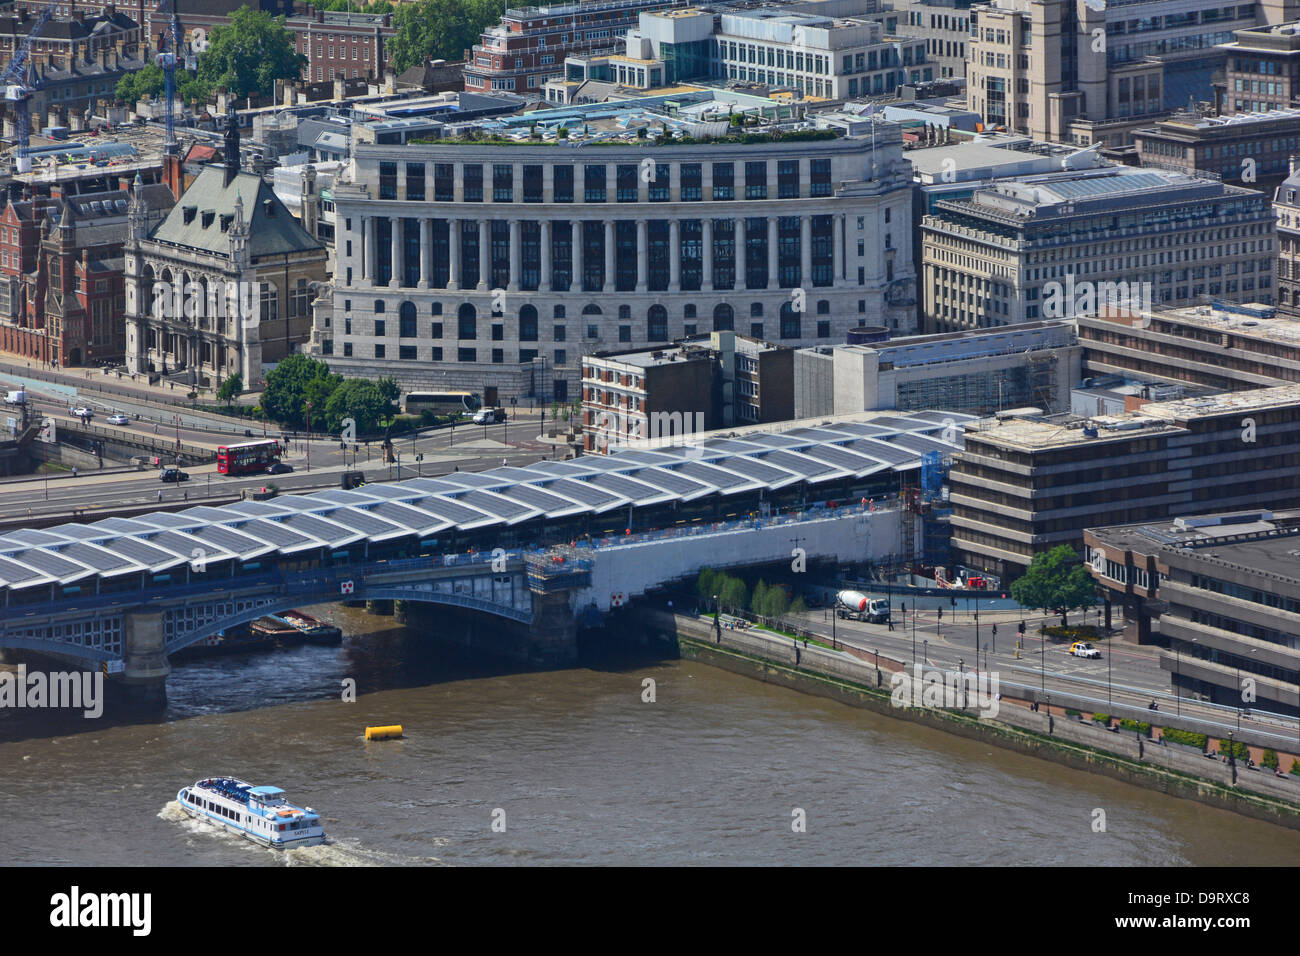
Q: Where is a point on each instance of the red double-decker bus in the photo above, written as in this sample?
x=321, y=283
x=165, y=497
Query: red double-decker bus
x=247, y=457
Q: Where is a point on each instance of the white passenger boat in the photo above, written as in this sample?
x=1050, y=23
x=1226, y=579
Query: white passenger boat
x=259, y=813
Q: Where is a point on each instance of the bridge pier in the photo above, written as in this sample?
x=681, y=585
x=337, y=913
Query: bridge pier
x=143, y=682
x=399, y=611
x=550, y=641
x=381, y=608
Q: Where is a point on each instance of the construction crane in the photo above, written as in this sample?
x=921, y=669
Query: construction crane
x=168, y=54
x=18, y=90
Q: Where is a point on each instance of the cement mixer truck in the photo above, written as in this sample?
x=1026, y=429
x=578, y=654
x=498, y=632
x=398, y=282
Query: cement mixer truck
x=856, y=606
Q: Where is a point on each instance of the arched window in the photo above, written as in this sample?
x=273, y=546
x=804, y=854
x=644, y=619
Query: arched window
x=467, y=322
x=791, y=326
x=724, y=318
x=657, y=324
x=406, y=320
x=528, y=324
x=146, y=290
x=591, y=309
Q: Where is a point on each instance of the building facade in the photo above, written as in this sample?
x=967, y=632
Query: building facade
x=979, y=372
x=1221, y=592
x=529, y=45
x=944, y=26
x=1246, y=149
x=223, y=284
x=1232, y=348
x=1286, y=207
x=490, y=268
x=1263, y=69
x=1085, y=72
x=1023, y=486
x=1066, y=245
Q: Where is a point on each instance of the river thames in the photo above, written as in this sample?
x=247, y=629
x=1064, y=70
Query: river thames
x=576, y=765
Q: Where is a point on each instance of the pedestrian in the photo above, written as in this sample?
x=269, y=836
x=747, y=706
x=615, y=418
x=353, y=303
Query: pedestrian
x=74, y=471
x=160, y=494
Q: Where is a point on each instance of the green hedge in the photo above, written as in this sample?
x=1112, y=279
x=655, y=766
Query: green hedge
x=1079, y=632
x=1238, y=749
x=1071, y=712
x=1140, y=726
x=1188, y=737
x=1269, y=759
x=1295, y=766
x=1102, y=718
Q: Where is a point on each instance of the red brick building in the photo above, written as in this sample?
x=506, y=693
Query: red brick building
x=61, y=269
x=529, y=45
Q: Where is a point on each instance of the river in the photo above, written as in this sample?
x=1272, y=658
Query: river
x=583, y=770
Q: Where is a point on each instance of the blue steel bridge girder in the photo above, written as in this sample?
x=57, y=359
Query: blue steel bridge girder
x=99, y=636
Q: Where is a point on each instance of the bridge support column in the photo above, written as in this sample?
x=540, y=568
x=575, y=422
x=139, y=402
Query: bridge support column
x=381, y=607
x=399, y=612
x=553, y=637
x=144, y=679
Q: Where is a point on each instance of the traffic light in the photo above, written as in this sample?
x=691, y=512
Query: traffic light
x=1022, y=627
x=941, y=614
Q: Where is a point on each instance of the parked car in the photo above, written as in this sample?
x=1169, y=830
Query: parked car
x=489, y=416
x=278, y=468
x=172, y=473
x=118, y=419
x=1084, y=649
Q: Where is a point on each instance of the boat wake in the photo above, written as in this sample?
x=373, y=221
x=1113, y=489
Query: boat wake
x=347, y=852
x=344, y=852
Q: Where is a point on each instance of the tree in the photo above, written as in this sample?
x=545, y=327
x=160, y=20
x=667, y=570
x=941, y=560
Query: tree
x=290, y=384
x=359, y=399
x=231, y=388
x=250, y=54
x=149, y=80
x=1055, y=579
x=439, y=29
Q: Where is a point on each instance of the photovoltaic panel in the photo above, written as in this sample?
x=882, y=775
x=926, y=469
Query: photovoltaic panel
x=331, y=533
x=717, y=477
x=753, y=468
x=495, y=504
x=97, y=558
x=585, y=493
x=800, y=466
x=13, y=573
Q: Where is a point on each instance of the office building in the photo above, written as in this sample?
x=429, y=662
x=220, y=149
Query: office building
x=1246, y=149
x=495, y=269
x=1074, y=243
x=1084, y=72
x=981, y=372
x=1220, y=346
x=1023, y=486
x=1220, y=592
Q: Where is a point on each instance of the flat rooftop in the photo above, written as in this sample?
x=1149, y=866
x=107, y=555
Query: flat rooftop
x=1198, y=531
x=1258, y=325
x=1032, y=434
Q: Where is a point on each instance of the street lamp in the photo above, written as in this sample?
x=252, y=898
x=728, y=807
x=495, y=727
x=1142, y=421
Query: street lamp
x=309, y=436
x=717, y=623
x=925, y=649
x=904, y=607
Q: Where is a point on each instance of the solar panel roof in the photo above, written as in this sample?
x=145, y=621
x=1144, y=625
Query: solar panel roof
x=468, y=500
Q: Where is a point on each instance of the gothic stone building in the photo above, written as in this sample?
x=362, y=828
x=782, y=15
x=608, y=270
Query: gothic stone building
x=227, y=231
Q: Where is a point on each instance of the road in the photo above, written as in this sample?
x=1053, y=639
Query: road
x=1125, y=674
x=317, y=464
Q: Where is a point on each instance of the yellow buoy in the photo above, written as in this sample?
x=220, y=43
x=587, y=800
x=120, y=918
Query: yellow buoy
x=384, y=733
